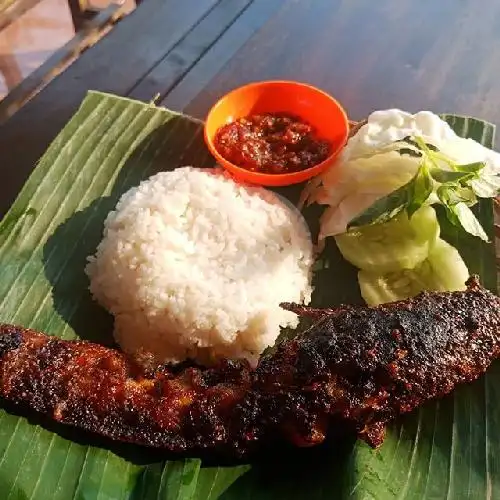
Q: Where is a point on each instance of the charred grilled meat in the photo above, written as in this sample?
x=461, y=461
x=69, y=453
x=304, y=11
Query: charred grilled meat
x=359, y=366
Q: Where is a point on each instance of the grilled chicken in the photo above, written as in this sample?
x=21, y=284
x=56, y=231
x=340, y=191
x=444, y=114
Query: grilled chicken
x=358, y=366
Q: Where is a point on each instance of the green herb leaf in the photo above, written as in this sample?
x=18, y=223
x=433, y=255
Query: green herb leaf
x=487, y=186
x=470, y=167
x=451, y=195
x=385, y=208
x=420, y=190
x=469, y=221
x=452, y=216
x=451, y=176
x=456, y=184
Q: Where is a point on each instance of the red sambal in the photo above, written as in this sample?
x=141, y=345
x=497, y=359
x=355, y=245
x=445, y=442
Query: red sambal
x=271, y=143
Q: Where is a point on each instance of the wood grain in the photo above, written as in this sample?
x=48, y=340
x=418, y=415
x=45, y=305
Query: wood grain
x=415, y=55
x=176, y=64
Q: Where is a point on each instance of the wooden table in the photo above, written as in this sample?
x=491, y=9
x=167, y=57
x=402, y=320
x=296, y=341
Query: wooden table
x=414, y=54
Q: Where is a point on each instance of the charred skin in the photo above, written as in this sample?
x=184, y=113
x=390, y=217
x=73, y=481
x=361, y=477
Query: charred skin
x=101, y=390
x=387, y=360
x=358, y=366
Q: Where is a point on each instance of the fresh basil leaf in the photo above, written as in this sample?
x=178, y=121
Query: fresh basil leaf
x=487, y=186
x=453, y=194
x=432, y=147
x=444, y=193
x=469, y=221
x=384, y=208
x=419, y=190
x=443, y=176
x=470, y=167
x=452, y=216
x=460, y=185
x=449, y=198
x=465, y=194
x=370, y=216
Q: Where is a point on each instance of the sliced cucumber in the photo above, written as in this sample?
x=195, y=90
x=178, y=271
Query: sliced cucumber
x=401, y=243
x=443, y=270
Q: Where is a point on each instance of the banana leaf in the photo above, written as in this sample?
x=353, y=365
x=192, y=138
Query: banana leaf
x=448, y=449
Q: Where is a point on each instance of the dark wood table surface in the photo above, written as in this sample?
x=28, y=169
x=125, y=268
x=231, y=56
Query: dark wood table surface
x=441, y=55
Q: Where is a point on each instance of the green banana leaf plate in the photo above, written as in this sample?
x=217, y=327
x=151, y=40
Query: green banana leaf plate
x=449, y=449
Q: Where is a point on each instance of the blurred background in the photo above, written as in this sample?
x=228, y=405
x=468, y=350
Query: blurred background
x=31, y=31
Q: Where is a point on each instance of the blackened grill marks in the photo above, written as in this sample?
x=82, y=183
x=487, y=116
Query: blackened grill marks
x=357, y=366
x=392, y=358
x=10, y=339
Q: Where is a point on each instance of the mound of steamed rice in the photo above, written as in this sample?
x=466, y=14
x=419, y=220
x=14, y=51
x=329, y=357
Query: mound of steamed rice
x=194, y=265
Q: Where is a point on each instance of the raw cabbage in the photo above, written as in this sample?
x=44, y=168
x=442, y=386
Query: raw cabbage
x=362, y=174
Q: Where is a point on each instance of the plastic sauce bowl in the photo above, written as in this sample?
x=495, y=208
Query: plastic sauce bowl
x=312, y=105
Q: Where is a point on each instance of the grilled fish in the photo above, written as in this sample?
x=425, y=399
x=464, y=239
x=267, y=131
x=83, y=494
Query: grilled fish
x=356, y=366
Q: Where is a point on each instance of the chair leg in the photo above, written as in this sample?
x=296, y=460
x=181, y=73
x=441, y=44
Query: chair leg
x=10, y=70
x=56, y=63
x=81, y=12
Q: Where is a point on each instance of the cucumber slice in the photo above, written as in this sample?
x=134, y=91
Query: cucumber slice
x=401, y=243
x=443, y=270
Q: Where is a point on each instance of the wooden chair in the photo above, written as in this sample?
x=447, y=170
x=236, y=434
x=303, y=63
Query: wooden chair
x=83, y=11
x=10, y=10
x=90, y=25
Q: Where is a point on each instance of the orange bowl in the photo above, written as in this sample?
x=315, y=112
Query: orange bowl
x=312, y=105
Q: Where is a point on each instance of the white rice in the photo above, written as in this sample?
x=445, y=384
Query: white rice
x=195, y=265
